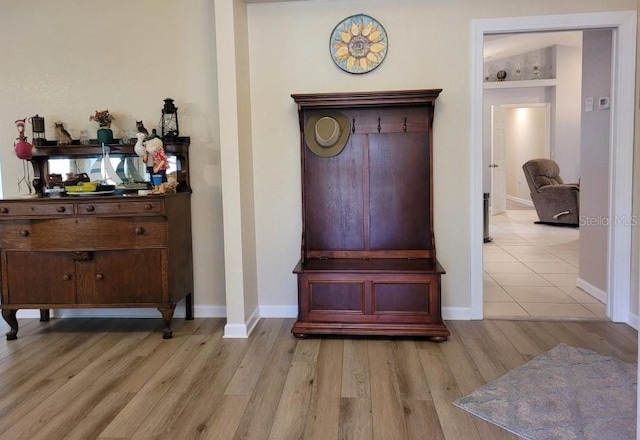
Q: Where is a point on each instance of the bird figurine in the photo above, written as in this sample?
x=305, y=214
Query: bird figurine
x=141, y=129
x=139, y=146
x=64, y=138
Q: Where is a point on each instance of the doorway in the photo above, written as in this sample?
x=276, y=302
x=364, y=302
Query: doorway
x=530, y=270
x=519, y=132
x=623, y=25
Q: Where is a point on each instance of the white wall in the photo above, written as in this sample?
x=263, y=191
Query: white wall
x=565, y=149
x=594, y=184
x=526, y=138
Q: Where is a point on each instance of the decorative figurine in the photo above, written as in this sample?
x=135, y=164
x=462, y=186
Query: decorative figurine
x=139, y=146
x=84, y=137
x=158, y=165
x=24, y=151
x=22, y=148
x=64, y=138
x=141, y=129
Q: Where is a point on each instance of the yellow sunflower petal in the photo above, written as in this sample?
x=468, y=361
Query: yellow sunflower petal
x=364, y=64
x=377, y=47
x=374, y=36
x=346, y=36
x=367, y=29
x=372, y=57
x=355, y=29
x=342, y=52
x=351, y=61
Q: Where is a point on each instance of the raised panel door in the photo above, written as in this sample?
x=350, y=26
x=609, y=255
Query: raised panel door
x=123, y=277
x=38, y=277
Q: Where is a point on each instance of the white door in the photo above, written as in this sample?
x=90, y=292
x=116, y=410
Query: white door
x=498, y=160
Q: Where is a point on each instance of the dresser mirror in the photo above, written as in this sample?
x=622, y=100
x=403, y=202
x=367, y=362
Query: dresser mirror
x=128, y=169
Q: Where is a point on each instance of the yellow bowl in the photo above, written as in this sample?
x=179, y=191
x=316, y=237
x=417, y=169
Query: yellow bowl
x=82, y=187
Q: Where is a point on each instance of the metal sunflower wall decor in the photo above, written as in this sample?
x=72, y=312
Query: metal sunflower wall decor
x=358, y=44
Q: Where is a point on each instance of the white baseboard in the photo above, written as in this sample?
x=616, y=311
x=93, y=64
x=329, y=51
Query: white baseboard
x=198, y=312
x=239, y=331
x=28, y=313
x=235, y=331
x=634, y=321
x=287, y=311
x=456, y=313
x=519, y=200
x=592, y=290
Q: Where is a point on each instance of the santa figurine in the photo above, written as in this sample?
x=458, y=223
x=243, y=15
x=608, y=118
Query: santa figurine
x=154, y=149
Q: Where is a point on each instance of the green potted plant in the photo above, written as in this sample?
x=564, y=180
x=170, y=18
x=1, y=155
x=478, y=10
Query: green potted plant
x=104, y=119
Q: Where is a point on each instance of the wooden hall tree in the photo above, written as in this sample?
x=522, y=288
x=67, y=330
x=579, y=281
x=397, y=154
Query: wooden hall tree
x=368, y=262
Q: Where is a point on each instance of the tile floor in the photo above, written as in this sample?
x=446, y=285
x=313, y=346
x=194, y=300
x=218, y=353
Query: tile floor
x=530, y=271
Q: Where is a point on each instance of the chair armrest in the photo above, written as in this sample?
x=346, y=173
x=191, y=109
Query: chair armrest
x=558, y=189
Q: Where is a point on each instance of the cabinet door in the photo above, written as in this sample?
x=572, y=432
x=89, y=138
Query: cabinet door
x=123, y=277
x=38, y=278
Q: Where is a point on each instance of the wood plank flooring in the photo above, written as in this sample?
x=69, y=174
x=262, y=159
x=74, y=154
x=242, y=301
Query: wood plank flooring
x=113, y=379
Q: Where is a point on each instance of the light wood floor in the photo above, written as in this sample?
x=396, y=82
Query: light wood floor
x=117, y=379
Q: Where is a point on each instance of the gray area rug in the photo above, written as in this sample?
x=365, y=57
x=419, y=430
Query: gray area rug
x=565, y=393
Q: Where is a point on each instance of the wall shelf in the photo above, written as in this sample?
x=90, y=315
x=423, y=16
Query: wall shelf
x=520, y=84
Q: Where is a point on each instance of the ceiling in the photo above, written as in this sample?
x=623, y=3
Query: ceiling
x=500, y=46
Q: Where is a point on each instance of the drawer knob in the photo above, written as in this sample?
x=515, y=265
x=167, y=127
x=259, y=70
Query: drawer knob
x=61, y=209
x=24, y=233
x=66, y=277
x=91, y=208
x=99, y=277
x=139, y=230
x=4, y=210
x=147, y=206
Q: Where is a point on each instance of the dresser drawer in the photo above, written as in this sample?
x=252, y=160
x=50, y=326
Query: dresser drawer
x=124, y=207
x=24, y=209
x=80, y=234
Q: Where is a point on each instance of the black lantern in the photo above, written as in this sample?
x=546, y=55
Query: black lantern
x=169, y=120
x=37, y=129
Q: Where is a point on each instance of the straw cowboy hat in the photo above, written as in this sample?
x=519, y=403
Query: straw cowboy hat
x=326, y=133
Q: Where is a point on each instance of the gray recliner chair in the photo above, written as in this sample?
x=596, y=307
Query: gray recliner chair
x=556, y=203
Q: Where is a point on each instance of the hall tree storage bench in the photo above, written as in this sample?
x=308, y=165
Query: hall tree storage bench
x=97, y=251
x=368, y=256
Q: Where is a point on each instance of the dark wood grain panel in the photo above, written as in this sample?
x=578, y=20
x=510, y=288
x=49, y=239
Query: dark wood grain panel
x=336, y=296
x=399, y=181
x=72, y=234
x=334, y=199
x=113, y=277
x=38, y=277
x=401, y=298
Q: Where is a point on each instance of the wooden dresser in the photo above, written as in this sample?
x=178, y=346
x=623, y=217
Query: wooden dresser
x=368, y=257
x=102, y=251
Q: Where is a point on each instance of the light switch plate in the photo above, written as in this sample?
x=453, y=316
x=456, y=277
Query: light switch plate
x=588, y=104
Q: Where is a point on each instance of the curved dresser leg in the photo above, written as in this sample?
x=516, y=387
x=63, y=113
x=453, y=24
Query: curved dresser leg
x=167, y=316
x=9, y=315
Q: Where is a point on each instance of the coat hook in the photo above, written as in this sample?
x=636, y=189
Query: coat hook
x=379, y=128
x=404, y=127
x=353, y=126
